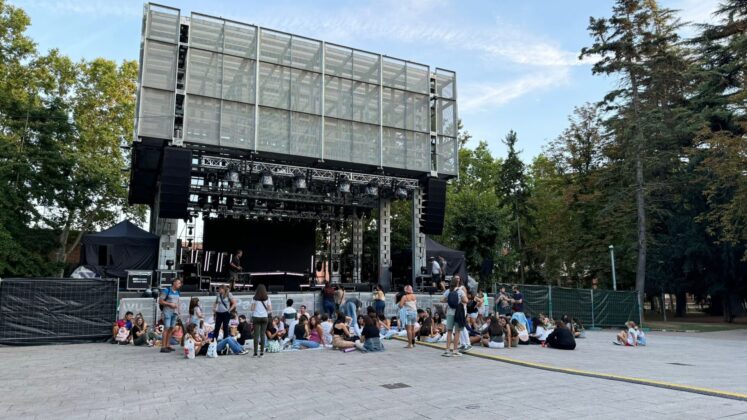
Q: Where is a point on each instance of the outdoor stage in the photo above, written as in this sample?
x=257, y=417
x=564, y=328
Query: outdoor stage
x=67, y=382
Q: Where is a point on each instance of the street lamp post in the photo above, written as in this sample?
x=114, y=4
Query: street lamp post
x=612, y=259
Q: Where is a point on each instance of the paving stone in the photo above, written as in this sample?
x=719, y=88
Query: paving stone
x=105, y=381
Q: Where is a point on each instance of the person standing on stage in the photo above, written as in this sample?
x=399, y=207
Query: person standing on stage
x=169, y=300
x=224, y=304
x=234, y=266
x=435, y=272
x=442, y=263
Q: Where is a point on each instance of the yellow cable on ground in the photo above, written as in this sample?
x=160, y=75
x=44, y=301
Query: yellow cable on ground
x=598, y=375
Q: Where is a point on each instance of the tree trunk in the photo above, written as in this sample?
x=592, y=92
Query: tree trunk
x=640, y=273
x=681, y=309
x=62, y=245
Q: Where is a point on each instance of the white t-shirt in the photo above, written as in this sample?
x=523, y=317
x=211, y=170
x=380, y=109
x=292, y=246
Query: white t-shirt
x=449, y=309
x=632, y=336
x=542, y=333
x=326, y=330
x=259, y=309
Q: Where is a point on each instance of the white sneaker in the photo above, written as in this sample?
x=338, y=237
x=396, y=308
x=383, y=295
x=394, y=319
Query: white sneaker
x=456, y=354
x=467, y=348
x=447, y=354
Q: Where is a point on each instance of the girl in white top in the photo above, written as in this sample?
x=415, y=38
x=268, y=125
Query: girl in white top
x=261, y=308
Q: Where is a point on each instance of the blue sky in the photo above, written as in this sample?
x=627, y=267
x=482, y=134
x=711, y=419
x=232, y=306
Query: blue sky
x=516, y=61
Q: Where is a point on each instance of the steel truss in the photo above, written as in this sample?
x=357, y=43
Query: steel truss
x=290, y=171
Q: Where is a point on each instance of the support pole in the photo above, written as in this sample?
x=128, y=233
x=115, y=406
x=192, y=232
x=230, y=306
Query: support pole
x=418, y=238
x=385, y=252
x=334, y=252
x=166, y=230
x=357, y=229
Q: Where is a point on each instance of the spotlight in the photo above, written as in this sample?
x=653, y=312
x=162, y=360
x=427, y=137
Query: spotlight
x=189, y=230
x=344, y=186
x=232, y=176
x=189, y=243
x=266, y=180
x=299, y=181
x=372, y=188
x=400, y=193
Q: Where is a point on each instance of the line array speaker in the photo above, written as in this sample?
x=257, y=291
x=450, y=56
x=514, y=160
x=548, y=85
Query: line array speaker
x=434, y=209
x=175, y=178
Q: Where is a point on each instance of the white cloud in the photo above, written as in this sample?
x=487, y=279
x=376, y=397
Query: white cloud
x=477, y=97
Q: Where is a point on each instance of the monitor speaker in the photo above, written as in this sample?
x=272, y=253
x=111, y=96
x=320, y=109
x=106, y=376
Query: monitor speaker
x=434, y=209
x=175, y=178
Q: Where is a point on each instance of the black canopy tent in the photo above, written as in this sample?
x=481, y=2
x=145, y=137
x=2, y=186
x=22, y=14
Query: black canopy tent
x=455, y=260
x=122, y=247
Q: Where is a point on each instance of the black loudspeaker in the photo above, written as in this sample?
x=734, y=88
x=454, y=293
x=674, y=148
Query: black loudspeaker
x=175, y=178
x=432, y=219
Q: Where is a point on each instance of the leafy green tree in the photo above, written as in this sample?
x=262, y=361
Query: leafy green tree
x=513, y=194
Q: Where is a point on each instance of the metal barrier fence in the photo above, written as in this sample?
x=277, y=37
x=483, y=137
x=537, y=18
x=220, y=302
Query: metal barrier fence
x=149, y=306
x=593, y=307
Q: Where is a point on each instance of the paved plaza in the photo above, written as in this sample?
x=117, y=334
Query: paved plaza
x=109, y=381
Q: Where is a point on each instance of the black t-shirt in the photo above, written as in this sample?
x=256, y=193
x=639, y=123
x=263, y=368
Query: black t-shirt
x=561, y=337
x=235, y=261
x=369, y=331
x=518, y=307
x=245, y=332
x=300, y=332
x=272, y=330
x=133, y=332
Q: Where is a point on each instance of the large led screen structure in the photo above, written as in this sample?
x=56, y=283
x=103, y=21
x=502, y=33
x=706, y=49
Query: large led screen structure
x=218, y=83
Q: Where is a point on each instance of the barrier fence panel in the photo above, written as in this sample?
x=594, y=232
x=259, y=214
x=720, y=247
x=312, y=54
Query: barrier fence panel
x=573, y=302
x=605, y=308
x=594, y=308
x=613, y=308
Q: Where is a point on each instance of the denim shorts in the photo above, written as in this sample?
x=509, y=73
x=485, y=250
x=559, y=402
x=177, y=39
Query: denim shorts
x=169, y=319
x=451, y=325
x=410, y=317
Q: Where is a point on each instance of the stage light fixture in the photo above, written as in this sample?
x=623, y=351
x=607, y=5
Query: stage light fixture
x=189, y=243
x=232, y=176
x=400, y=193
x=344, y=186
x=299, y=182
x=372, y=189
x=190, y=229
x=266, y=180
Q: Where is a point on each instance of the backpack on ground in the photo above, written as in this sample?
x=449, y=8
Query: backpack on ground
x=453, y=299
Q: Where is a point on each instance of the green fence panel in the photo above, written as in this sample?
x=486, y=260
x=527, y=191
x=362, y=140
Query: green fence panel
x=614, y=309
x=573, y=302
x=600, y=308
x=536, y=298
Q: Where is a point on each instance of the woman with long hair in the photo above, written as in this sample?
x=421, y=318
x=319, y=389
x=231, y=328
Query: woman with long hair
x=497, y=333
x=316, y=332
x=341, y=337
x=409, y=304
x=379, y=303
x=261, y=310
x=139, y=332
x=195, y=312
x=370, y=337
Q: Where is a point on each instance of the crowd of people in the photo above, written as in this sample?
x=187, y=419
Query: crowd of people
x=463, y=319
